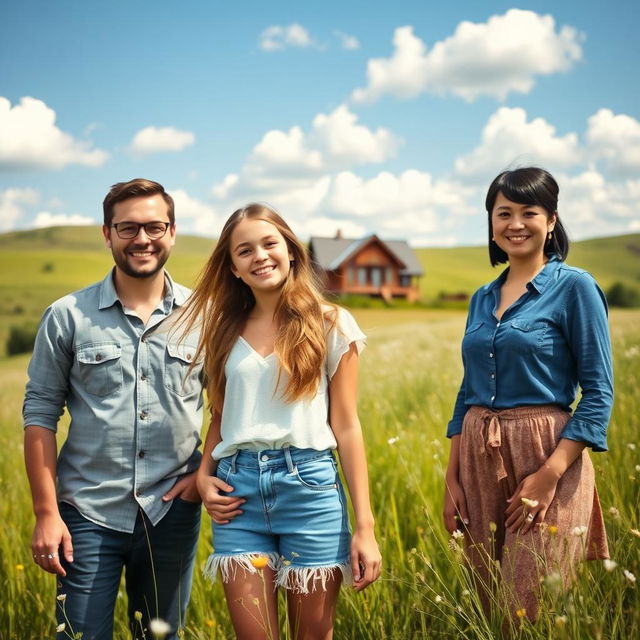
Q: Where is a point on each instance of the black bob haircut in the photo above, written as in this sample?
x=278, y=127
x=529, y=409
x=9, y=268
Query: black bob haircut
x=532, y=186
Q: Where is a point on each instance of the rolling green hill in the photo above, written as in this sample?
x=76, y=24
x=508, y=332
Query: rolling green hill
x=40, y=265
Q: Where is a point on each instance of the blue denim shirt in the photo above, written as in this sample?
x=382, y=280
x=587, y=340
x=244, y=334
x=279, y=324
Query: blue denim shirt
x=135, y=414
x=554, y=338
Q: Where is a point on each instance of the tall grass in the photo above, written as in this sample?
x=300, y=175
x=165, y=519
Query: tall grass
x=409, y=377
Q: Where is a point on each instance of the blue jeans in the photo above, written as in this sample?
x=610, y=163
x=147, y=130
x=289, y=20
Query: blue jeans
x=159, y=567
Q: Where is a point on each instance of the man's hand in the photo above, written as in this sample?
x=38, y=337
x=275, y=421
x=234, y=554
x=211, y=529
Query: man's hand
x=184, y=488
x=51, y=537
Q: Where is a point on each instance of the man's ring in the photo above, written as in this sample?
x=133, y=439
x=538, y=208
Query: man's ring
x=530, y=517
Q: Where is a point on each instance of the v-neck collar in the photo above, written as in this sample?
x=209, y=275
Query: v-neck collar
x=259, y=355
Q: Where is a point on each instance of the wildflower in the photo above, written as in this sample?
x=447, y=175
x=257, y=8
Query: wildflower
x=286, y=563
x=457, y=534
x=629, y=576
x=209, y=622
x=609, y=565
x=438, y=599
x=61, y=627
x=295, y=555
x=614, y=513
x=256, y=601
x=138, y=616
x=260, y=562
x=466, y=593
x=529, y=503
x=521, y=613
x=553, y=581
x=393, y=440
x=553, y=529
x=579, y=531
x=493, y=527
x=631, y=446
x=635, y=533
x=638, y=467
x=561, y=621
x=159, y=628
x=62, y=597
x=19, y=567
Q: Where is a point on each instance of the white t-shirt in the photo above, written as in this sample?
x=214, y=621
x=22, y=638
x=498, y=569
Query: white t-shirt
x=256, y=417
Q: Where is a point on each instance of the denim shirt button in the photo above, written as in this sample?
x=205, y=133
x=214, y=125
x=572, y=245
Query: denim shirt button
x=265, y=458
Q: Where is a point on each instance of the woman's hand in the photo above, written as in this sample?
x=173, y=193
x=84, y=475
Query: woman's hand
x=221, y=508
x=529, y=504
x=366, y=560
x=454, y=512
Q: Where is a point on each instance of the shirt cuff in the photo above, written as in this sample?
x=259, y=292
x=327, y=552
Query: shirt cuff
x=454, y=428
x=593, y=435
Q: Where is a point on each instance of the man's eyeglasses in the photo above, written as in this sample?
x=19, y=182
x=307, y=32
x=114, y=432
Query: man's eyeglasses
x=130, y=230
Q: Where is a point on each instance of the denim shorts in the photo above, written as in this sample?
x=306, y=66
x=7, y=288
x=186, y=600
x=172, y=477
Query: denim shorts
x=295, y=515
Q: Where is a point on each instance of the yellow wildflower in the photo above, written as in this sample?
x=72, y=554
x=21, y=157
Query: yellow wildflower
x=19, y=567
x=260, y=562
x=553, y=529
x=521, y=613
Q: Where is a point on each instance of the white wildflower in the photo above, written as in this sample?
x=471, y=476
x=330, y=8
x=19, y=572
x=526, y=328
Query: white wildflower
x=632, y=446
x=614, y=513
x=393, y=440
x=629, y=576
x=635, y=532
x=62, y=597
x=61, y=627
x=457, y=534
x=609, y=565
x=159, y=628
x=579, y=531
x=438, y=599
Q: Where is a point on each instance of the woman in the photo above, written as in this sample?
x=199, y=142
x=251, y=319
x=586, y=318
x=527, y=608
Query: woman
x=520, y=481
x=282, y=370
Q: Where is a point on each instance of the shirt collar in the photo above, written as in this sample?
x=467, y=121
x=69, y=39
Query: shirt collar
x=173, y=295
x=539, y=283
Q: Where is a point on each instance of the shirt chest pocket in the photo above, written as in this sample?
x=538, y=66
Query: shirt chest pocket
x=177, y=377
x=475, y=340
x=100, y=368
x=526, y=336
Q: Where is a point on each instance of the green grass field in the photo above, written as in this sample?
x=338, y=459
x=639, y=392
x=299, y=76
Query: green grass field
x=410, y=374
x=409, y=377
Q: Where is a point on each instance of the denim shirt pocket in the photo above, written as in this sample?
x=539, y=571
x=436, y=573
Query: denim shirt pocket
x=474, y=340
x=528, y=336
x=177, y=377
x=100, y=367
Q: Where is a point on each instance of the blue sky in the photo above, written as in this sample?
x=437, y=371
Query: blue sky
x=389, y=118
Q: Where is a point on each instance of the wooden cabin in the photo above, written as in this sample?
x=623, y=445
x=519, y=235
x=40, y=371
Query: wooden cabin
x=367, y=266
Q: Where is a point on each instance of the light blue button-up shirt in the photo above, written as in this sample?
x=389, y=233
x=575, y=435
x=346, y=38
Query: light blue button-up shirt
x=552, y=340
x=135, y=412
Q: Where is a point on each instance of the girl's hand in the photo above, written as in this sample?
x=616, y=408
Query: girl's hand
x=529, y=504
x=221, y=508
x=454, y=512
x=366, y=560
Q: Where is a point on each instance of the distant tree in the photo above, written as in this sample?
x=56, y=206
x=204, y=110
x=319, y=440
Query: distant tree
x=21, y=339
x=621, y=295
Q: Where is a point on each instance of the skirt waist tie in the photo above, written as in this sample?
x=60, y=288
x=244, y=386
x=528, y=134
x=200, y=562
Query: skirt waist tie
x=492, y=440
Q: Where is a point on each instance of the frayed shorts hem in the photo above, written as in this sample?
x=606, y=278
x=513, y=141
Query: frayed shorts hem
x=295, y=578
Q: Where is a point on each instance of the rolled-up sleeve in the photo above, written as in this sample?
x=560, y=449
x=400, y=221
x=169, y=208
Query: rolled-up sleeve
x=587, y=332
x=48, y=372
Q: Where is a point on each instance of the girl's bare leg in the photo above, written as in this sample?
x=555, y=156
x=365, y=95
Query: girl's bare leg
x=253, y=604
x=311, y=615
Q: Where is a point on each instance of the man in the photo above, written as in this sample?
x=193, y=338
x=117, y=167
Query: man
x=126, y=494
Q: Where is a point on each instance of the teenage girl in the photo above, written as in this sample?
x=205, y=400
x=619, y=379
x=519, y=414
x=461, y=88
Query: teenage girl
x=282, y=377
x=520, y=482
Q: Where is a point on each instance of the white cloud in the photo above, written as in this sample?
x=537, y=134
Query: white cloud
x=348, y=42
x=509, y=139
x=346, y=141
x=592, y=206
x=193, y=215
x=155, y=139
x=495, y=58
x=276, y=37
x=11, y=206
x=286, y=150
x=616, y=139
x=31, y=140
x=48, y=219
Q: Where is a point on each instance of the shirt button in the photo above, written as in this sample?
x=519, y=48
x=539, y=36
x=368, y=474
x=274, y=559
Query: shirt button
x=491, y=355
x=189, y=356
x=265, y=458
x=493, y=375
x=143, y=415
x=98, y=357
x=141, y=454
x=493, y=398
x=498, y=324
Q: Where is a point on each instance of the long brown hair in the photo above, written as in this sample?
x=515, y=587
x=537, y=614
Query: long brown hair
x=221, y=303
